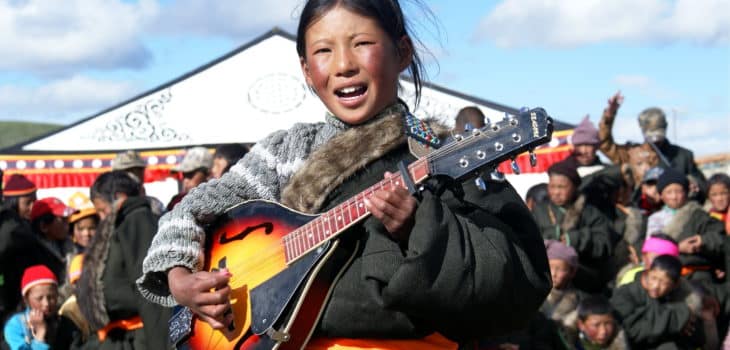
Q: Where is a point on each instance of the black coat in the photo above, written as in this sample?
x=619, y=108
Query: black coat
x=650, y=323
x=16, y=245
x=470, y=256
x=591, y=237
x=117, y=258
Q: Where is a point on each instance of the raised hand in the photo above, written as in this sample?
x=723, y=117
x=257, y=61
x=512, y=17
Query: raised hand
x=207, y=294
x=691, y=245
x=614, y=102
x=394, y=208
x=37, y=324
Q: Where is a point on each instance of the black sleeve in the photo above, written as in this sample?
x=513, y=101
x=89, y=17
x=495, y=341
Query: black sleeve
x=593, y=238
x=470, y=258
x=645, y=320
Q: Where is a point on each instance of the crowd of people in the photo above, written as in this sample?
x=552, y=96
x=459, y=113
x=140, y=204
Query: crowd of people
x=630, y=253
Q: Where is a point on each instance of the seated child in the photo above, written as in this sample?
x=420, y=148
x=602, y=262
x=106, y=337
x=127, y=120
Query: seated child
x=718, y=193
x=597, y=327
x=562, y=302
x=657, y=244
x=39, y=326
x=660, y=310
x=700, y=236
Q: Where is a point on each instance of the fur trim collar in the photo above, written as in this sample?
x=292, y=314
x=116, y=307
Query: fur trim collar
x=90, y=286
x=680, y=219
x=572, y=214
x=343, y=155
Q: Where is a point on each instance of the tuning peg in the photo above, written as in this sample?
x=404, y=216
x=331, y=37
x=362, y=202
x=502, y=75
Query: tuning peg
x=480, y=183
x=497, y=176
x=515, y=167
x=533, y=158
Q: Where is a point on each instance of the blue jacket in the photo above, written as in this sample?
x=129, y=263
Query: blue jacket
x=18, y=335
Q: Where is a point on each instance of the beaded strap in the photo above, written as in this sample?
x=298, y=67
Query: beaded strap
x=421, y=132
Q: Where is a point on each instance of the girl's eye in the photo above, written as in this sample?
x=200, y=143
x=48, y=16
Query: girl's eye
x=321, y=50
x=362, y=43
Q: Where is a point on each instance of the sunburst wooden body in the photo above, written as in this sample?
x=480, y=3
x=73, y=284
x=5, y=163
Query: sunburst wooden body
x=275, y=305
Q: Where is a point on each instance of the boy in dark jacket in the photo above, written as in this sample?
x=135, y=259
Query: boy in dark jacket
x=569, y=219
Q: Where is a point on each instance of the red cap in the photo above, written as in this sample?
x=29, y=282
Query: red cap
x=35, y=275
x=18, y=185
x=50, y=205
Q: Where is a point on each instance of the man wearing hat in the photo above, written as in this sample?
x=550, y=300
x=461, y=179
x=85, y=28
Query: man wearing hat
x=194, y=168
x=569, y=219
x=133, y=164
x=49, y=221
x=653, y=124
x=585, y=145
x=19, y=194
x=16, y=240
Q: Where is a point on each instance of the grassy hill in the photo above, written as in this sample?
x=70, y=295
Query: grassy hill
x=12, y=133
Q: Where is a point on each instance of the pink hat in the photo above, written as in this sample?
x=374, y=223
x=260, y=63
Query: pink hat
x=660, y=247
x=559, y=251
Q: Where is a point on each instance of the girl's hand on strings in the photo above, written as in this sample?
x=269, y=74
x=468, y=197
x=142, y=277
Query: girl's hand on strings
x=207, y=294
x=394, y=208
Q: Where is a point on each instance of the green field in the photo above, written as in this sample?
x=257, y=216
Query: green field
x=12, y=133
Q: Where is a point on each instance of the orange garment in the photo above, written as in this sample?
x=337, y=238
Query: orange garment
x=434, y=341
x=74, y=268
x=128, y=324
x=688, y=270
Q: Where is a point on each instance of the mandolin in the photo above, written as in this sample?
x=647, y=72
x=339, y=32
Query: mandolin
x=284, y=263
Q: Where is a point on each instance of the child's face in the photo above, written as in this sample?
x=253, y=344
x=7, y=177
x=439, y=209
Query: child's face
x=674, y=196
x=560, y=189
x=657, y=283
x=650, y=191
x=84, y=229
x=599, y=329
x=25, y=204
x=719, y=197
x=43, y=297
x=353, y=65
x=561, y=272
x=57, y=229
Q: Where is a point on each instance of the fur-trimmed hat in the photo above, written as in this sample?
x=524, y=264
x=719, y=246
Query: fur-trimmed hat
x=127, y=160
x=35, y=275
x=195, y=158
x=653, y=124
x=585, y=133
x=18, y=185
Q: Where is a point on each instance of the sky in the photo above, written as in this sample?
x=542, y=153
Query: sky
x=63, y=61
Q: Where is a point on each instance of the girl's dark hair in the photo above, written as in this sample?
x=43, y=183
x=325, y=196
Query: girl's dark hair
x=538, y=193
x=231, y=153
x=110, y=183
x=669, y=264
x=388, y=15
x=594, y=305
x=719, y=178
x=10, y=203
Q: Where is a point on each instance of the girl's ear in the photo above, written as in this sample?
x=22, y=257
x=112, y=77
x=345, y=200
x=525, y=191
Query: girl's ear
x=305, y=71
x=405, y=52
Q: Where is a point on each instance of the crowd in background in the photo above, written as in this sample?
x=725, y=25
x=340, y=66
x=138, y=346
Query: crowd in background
x=638, y=249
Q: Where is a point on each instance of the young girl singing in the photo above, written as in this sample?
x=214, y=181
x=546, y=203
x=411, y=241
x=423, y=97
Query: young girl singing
x=429, y=271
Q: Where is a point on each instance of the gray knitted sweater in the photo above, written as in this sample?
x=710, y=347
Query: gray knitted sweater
x=261, y=174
